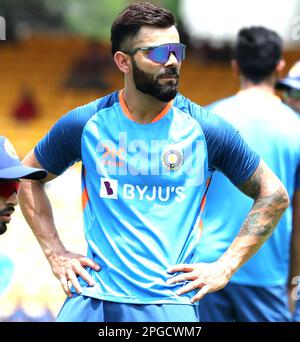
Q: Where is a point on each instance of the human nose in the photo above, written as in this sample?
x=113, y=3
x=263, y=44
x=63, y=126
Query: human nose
x=12, y=199
x=172, y=60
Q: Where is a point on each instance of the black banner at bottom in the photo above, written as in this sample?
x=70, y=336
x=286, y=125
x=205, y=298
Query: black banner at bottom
x=133, y=331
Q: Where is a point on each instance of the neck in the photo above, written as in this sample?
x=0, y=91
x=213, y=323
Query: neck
x=142, y=107
x=267, y=85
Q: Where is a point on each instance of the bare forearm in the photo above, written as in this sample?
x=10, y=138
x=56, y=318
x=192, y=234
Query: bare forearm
x=270, y=202
x=256, y=229
x=37, y=211
x=36, y=208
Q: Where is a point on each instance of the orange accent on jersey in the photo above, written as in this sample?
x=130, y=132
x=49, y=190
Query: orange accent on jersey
x=124, y=105
x=203, y=202
x=163, y=112
x=200, y=228
x=84, y=198
x=112, y=152
x=129, y=115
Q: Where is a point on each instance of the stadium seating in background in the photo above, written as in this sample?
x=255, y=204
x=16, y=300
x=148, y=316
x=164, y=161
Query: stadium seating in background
x=42, y=64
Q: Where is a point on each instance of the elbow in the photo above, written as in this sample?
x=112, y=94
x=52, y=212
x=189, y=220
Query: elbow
x=26, y=191
x=283, y=198
x=287, y=198
x=23, y=192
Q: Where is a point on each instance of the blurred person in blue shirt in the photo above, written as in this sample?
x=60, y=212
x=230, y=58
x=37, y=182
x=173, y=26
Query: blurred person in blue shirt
x=258, y=291
x=290, y=85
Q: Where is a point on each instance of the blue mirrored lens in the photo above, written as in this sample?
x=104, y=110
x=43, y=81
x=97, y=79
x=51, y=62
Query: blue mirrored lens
x=179, y=51
x=161, y=54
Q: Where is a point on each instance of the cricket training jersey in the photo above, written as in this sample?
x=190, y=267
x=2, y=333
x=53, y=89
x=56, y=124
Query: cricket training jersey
x=143, y=189
x=273, y=130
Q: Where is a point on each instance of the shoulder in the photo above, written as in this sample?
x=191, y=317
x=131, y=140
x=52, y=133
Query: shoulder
x=210, y=123
x=79, y=116
x=61, y=146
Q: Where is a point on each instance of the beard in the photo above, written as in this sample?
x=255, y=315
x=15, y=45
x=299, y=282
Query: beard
x=3, y=225
x=147, y=84
x=3, y=228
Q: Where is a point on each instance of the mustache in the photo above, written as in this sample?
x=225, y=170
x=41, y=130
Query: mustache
x=169, y=72
x=7, y=210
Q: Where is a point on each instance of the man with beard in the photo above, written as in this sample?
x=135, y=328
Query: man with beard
x=11, y=170
x=148, y=155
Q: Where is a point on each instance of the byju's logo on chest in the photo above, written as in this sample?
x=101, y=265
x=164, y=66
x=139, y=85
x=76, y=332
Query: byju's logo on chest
x=109, y=188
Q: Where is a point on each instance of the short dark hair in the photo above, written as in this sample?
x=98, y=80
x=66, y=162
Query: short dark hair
x=132, y=18
x=257, y=52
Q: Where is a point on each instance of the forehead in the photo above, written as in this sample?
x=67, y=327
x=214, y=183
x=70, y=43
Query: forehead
x=149, y=36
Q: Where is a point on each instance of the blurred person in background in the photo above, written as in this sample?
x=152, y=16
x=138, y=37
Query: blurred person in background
x=290, y=85
x=147, y=154
x=90, y=69
x=26, y=108
x=258, y=292
x=11, y=171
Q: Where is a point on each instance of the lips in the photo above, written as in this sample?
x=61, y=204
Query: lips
x=6, y=215
x=168, y=75
x=168, y=78
x=5, y=218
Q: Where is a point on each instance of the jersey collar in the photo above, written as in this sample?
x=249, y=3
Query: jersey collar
x=129, y=115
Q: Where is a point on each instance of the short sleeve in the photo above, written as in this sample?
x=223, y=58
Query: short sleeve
x=227, y=150
x=61, y=147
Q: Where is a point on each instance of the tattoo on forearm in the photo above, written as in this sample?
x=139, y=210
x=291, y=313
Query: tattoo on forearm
x=266, y=210
x=264, y=215
x=252, y=187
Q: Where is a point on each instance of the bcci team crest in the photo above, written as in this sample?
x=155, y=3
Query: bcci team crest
x=172, y=159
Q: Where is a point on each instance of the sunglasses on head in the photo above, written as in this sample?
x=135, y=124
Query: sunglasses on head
x=8, y=188
x=161, y=53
